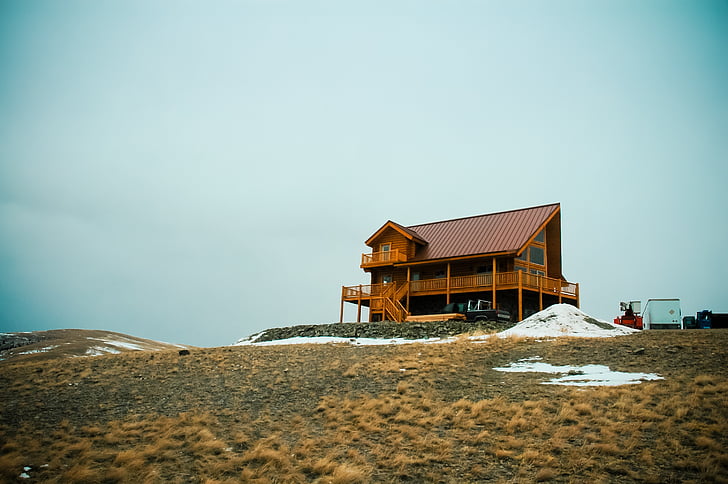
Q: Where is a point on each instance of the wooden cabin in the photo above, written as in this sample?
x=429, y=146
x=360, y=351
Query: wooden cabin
x=512, y=259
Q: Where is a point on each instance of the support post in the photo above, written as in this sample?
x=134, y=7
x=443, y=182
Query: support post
x=358, y=306
x=408, y=289
x=493, y=282
x=540, y=293
x=520, y=295
x=447, y=301
x=341, y=311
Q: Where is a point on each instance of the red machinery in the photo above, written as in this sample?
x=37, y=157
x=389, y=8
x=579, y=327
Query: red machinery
x=631, y=316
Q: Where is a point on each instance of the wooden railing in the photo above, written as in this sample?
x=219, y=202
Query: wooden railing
x=383, y=258
x=428, y=285
x=382, y=297
x=481, y=282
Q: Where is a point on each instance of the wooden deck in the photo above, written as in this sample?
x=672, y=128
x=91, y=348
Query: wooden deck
x=387, y=298
x=472, y=283
x=384, y=258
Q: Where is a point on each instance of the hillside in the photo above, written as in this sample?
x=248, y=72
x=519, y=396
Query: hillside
x=390, y=413
x=45, y=345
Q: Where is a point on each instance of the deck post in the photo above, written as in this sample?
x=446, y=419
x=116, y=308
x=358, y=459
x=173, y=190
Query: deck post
x=408, y=287
x=447, y=300
x=341, y=311
x=540, y=293
x=358, y=306
x=577, y=294
x=493, y=282
x=520, y=295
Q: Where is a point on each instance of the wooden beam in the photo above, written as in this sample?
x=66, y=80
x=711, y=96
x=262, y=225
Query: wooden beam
x=520, y=295
x=358, y=307
x=494, y=291
x=408, y=292
x=341, y=312
x=447, y=291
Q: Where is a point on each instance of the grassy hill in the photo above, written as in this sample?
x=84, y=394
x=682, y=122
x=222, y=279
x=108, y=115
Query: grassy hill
x=45, y=345
x=345, y=414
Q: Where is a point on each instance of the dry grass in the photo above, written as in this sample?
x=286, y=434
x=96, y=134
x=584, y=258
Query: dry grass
x=348, y=415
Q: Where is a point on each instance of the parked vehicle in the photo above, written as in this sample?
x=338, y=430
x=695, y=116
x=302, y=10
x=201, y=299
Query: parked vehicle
x=708, y=319
x=662, y=314
x=658, y=314
x=631, y=316
x=473, y=310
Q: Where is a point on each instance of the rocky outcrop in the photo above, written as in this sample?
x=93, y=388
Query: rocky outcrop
x=16, y=340
x=383, y=330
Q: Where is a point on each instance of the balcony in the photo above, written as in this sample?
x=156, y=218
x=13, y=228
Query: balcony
x=384, y=258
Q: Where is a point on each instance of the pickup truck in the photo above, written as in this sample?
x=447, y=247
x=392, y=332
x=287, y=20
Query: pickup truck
x=473, y=310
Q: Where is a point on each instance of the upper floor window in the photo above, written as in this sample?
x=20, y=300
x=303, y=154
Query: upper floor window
x=540, y=237
x=536, y=255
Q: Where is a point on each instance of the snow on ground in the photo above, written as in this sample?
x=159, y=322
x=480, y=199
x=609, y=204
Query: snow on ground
x=333, y=339
x=587, y=375
x=553, y=322
x=564, y=320
x=39, y=350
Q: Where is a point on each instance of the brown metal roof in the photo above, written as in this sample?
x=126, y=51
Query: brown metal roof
x=483, y=234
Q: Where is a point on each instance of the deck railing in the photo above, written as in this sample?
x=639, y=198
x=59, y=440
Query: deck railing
x=481, y=282
x=383, y=258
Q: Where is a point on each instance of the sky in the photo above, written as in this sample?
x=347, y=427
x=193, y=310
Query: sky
x=196, y=172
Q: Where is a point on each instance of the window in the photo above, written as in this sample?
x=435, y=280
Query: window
x=415, y=276
x=387, y=279
x=537, y=272
x=540, y=237
x=524, y=255
x=483, y=269
x=537, y=255
x=385, y=248
x=521, y=268
x=440, y=275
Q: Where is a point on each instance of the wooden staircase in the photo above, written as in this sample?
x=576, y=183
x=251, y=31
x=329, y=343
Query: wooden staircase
x=391, y=299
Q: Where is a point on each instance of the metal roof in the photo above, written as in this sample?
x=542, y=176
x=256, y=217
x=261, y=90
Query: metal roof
x=483, y=234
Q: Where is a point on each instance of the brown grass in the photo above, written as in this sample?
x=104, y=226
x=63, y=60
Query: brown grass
x=348, y=415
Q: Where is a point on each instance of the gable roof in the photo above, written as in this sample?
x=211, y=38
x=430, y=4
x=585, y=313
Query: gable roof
x=410, y=234
x=484, y=234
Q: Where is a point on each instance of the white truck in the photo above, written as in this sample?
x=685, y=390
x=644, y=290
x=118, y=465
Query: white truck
x=662, y=314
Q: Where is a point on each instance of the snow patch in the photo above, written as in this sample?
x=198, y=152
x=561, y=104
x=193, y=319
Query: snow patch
x=587, y=375
x=40, y=350
x=564, y=320
x=101, y=350
x=332, y=339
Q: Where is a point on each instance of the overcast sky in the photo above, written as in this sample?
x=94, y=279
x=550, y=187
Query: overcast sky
x=195, y=172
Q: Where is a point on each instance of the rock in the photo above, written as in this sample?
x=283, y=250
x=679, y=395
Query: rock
x=184, y=352
x=383, y=330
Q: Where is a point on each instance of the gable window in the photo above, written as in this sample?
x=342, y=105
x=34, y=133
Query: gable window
x=540, y=237
x=536, y=255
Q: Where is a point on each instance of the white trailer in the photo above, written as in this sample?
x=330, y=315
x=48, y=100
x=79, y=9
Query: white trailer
x=662, y=314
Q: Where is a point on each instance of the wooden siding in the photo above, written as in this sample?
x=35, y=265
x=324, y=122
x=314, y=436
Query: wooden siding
x=396, y=240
